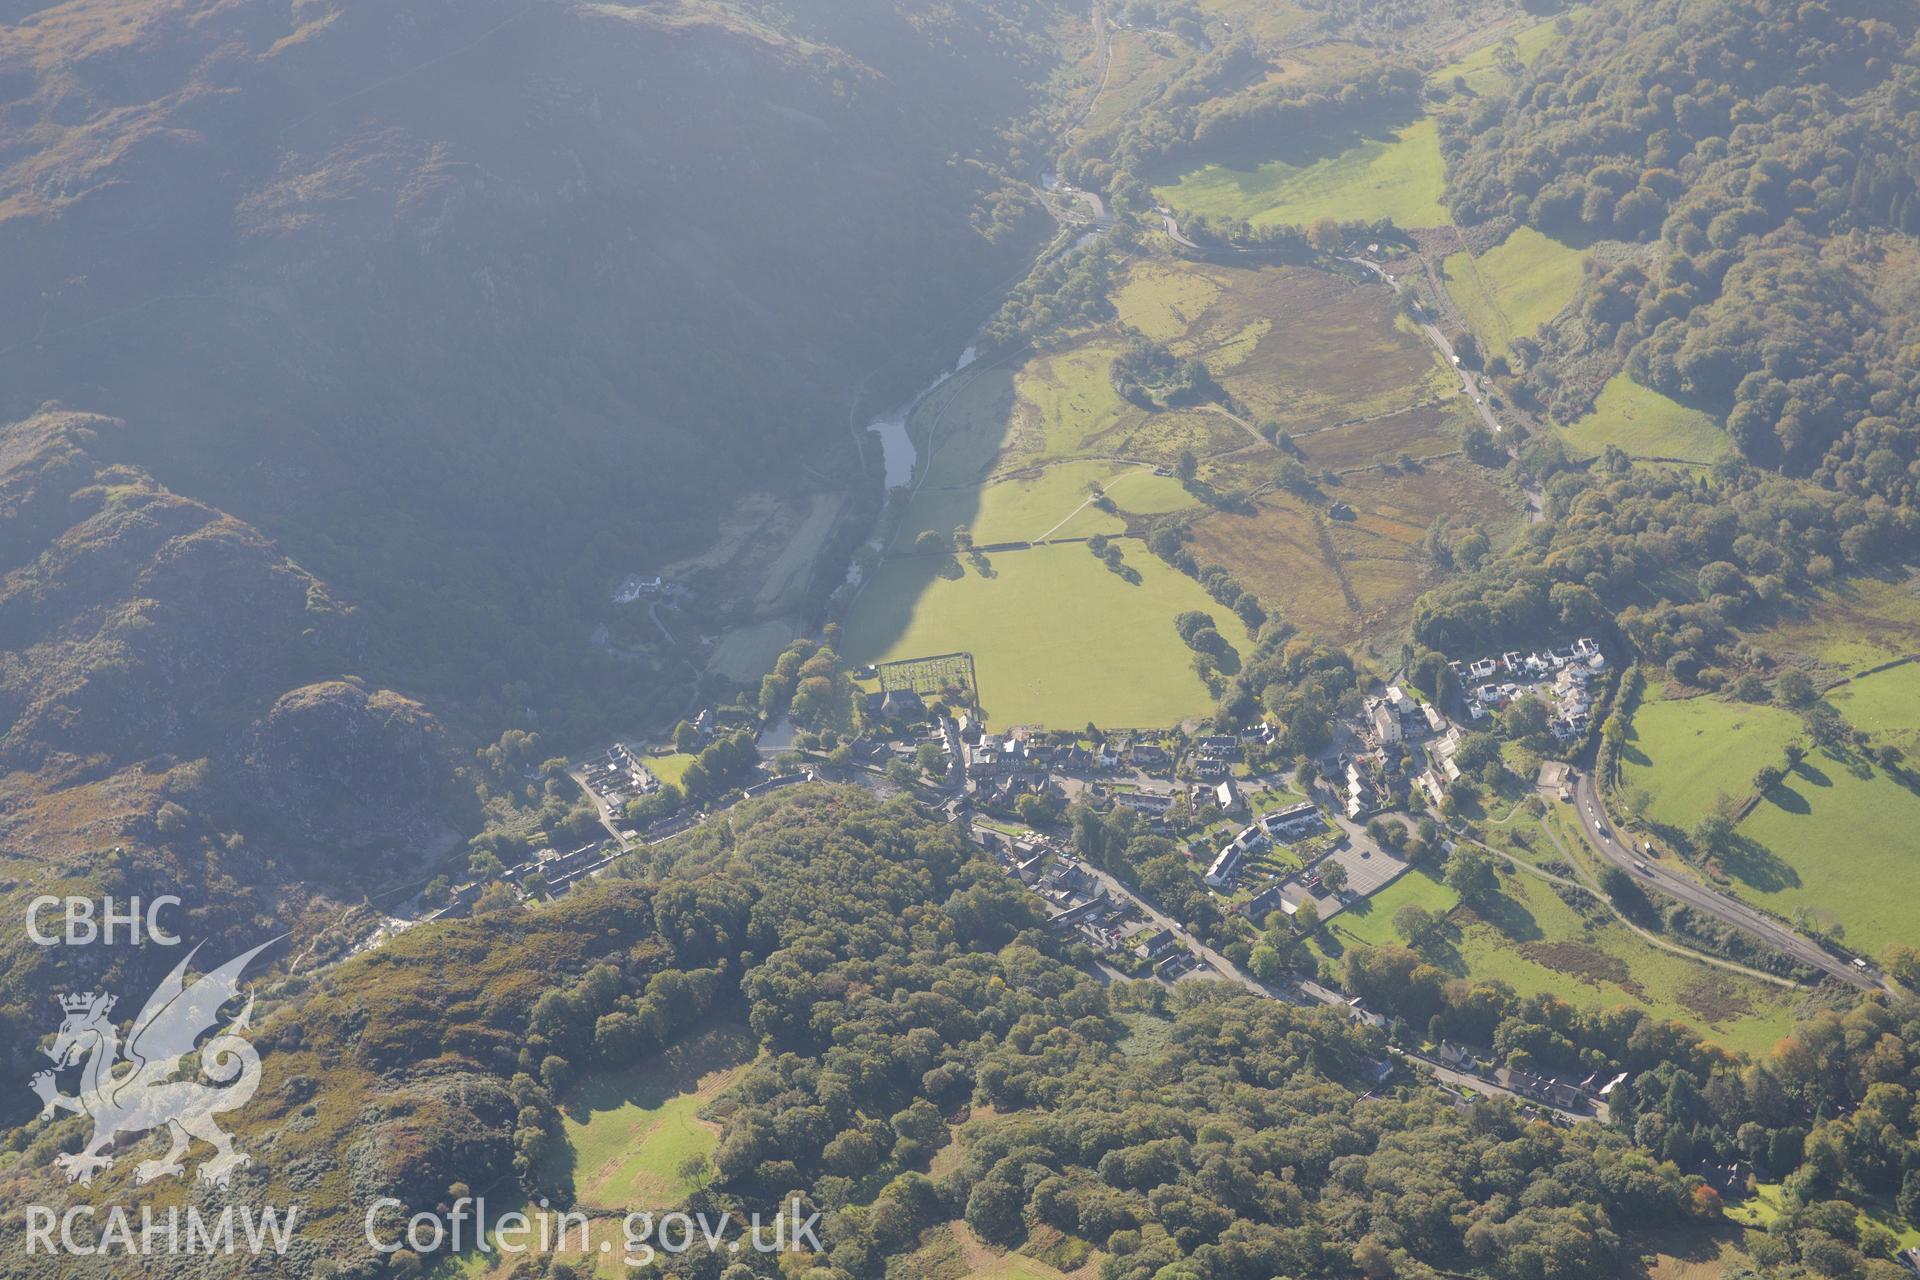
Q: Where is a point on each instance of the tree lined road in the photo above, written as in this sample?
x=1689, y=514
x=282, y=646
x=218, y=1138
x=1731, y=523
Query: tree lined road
x=1606, y=843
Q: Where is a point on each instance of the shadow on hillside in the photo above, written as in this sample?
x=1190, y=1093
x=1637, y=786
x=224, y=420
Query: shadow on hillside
x=654, y=1080
x=1784, y=797
x=1510, y=916
x=1299, y=149
x=1753, y=864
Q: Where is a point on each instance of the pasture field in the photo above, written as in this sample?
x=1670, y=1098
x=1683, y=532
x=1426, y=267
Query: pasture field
x=1339, y=579
x=1018, y=508
x=1058, y=638
x=1049, y=501
x=1834, y=840
x=1685, y=752
x=1646, y=424
x=627, y=1132
x=958, y=430
x=1397, y=174
x=1537, y=943
x=1306, y=348
x=1265, y=20
x=1482, y=68
x=1850, y=625
x=1823, y=845
x=1012, y=455
x=1513, y=289
x=1886, y=705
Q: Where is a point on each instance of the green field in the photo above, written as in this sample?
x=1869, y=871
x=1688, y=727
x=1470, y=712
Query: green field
x=1851, y=624
x=1374, y=926
x=671, y=768
x=1052, y=501
x=1647, y=425
x=1481, y=69
x=1839, y=846
x=1538, y=944
x=1057, y=638
x=1513, y=289
x=1012, y=455
x=1885, y=704
x=1827, y=842
x=628, y=1132
x=1685, y=752
x=1398, y=175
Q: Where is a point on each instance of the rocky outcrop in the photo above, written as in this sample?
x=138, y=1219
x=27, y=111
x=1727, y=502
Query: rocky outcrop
x=134, y=621
x=141, y=631
x=347, y=767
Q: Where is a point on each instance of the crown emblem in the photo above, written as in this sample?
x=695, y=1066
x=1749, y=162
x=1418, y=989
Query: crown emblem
x=87, y=1002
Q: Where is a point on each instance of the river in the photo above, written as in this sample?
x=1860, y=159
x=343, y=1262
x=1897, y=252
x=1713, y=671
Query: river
x=896, y=445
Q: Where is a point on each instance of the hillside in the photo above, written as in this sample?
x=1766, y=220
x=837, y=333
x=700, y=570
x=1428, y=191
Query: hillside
x=1765, y=153
x=931, y=1062
x=1353, y=718
x=167, y=726
x=476, y=308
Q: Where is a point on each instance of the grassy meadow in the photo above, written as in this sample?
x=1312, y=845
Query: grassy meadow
x=1850, y=625
x=1014, y=454
x=1482, y=69
x=1513, y=289
x=1886, y=705
x=1647, y=425
x=1686, y=752
x=629, y=1132
x=1824, y=844
x=1397, y=174
x=1831, y=841
x=1058, y=639
x=1537, y=943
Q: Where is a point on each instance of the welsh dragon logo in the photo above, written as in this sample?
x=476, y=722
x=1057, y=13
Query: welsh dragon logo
x=136, y=1090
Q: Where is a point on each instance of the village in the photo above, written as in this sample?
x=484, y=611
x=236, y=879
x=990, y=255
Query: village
x=1276, y=845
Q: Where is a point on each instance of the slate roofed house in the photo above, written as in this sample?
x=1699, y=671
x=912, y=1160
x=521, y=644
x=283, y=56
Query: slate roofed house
x=1159, y=944
x=1068, y=877
x=1263, y=904
x=1147, y=756
x=1220, y=873
x=1227, y=796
